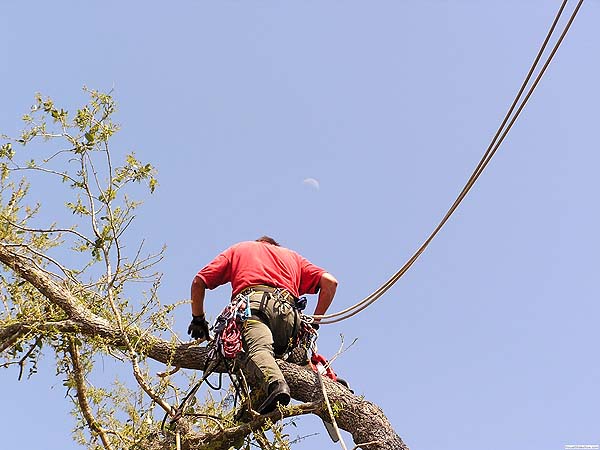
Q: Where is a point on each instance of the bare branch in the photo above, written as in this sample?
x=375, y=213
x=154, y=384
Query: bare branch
x=47, y=230
x=24, y=358
x=168, y=373
x=44, y=170
x=41, y=255
x=81, y=395
x=147, y=389
x=90, y=197
x=51, y=157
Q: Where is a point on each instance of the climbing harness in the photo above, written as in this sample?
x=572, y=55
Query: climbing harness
x=501, y=133
x=227, y=327
x=226, y=346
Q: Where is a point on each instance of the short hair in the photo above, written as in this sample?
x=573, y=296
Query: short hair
x=268, y=240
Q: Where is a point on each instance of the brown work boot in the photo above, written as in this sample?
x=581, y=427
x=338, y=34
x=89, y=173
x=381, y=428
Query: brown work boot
x=279, y=393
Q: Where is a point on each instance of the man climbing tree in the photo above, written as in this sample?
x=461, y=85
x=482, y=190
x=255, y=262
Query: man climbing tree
x=76, y=287
x=271, y=278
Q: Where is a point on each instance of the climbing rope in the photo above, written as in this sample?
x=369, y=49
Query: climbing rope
x=227, y=327
x=501, y=133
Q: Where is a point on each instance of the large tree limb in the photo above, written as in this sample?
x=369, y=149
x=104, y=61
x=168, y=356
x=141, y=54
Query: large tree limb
x=364, y=420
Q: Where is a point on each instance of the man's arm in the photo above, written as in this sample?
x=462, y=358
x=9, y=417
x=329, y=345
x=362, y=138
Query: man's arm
x=327, y=287
x=198, y=329
x=216, y=273
x=198, y=292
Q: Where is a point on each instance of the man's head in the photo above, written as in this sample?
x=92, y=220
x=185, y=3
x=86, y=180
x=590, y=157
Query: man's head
x=268, y=240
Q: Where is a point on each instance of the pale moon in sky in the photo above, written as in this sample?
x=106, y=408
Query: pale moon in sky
x=312, y=182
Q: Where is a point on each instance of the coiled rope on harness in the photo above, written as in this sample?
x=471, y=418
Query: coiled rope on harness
x=228, y=334
x=231, y=340
x=501, y=133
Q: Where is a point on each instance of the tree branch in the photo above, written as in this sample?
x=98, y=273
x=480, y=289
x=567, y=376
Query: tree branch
x=82, y=397
x=10, y=334
x=25, y=356
x=48, y=230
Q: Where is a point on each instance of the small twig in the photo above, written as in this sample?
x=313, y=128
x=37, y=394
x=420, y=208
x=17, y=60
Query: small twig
x=340, y=351
x=47, y=160
x=47, y=231
x=147, y=389
x=209, y=417
x=113, y=353
x=173, y=332
x=168, y=373
x=24, y=358
x=86, y=186
x=42, y=169
x=246, y=390
x=22, y=329
x=301, y=438
x=123, y=228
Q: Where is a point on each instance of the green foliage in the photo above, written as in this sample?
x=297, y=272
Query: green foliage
x=72, y=156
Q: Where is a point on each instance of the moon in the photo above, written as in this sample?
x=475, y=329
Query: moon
x=312, y=182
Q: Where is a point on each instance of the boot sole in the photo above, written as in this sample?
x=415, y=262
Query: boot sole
x=271, y=402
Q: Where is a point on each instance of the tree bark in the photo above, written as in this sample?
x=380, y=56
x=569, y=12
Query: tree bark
x=364, y=420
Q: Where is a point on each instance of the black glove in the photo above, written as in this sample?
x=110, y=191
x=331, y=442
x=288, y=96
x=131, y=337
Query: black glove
x=198, y=329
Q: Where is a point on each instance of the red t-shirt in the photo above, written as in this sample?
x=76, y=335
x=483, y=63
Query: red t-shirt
x=251, y=263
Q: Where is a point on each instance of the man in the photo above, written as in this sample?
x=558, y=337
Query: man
x=273, y=277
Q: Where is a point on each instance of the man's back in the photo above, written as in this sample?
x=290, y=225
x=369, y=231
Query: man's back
x=252, y=263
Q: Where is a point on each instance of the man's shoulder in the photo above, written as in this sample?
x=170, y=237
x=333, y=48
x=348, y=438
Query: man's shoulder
x=242, y=248
x=243, y=244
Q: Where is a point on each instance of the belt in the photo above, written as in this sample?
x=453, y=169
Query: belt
x=282, y=293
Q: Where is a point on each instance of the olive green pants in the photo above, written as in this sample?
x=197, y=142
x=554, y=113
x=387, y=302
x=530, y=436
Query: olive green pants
x=268, y=332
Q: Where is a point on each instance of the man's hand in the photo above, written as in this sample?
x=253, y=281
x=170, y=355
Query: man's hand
x=198, y=329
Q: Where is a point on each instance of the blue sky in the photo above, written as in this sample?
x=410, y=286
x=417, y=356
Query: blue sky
x=490, y=340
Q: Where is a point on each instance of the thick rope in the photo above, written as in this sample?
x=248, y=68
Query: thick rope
x=499, y=137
